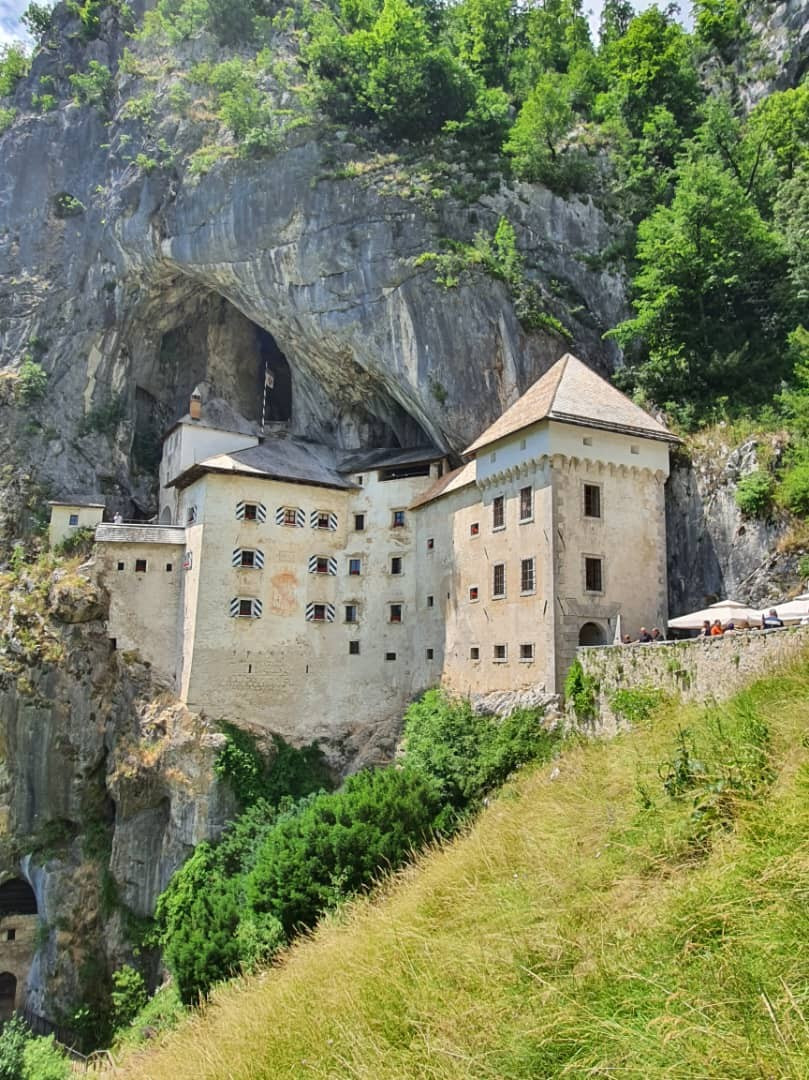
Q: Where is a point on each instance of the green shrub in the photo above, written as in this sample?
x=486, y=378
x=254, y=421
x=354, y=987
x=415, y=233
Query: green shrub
x=79, y=542
x=66, y=205
x=292, y=773
x=580, y=691
x=6, y=118
x=38, y=20
x=793, y=489
x=42, y=1059
x=13, y=1040
x=468, y=754
x=44, y=102
x=94, y=86
x=754, y=493
x=32, y=381
x=637, y=704
x=105, y=418
x=128, y=995
x=14, y=64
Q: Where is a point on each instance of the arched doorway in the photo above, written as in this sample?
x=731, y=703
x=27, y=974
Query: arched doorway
x=17, y=898
x=592, y=634
x=165, y=516
x=8, y=995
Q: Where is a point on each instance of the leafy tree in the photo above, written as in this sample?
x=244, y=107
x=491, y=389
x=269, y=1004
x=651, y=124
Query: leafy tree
x=616, y=15
x=720, y=24
x=38, y=20
x=14, y=64
x=482, y=33
x=94, y=86
x=535, y=140
x=13, y=1040
x=781, y=123
x=42, y=1059
x=129, y=995
x=710, y=300
x=792, y=216
x=553, y=36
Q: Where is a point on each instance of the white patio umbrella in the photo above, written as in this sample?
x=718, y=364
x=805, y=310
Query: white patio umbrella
x=793, y=610
x=616, y=638
x=725, y=611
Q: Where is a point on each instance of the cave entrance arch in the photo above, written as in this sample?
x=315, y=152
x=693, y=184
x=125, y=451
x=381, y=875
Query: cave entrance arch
x=592, y=634
x=17, y=898
x=8, y=995
x=276, y=378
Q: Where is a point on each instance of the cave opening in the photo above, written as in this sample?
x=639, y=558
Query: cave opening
x=276, y=378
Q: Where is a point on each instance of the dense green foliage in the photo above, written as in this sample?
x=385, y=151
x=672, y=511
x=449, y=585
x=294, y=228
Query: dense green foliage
x=24, y=1056
x=754, y=493
x=280, y=867
x=14, y=64
x=580, y=691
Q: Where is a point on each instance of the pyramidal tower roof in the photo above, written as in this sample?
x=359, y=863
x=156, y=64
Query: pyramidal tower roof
x=573, y=393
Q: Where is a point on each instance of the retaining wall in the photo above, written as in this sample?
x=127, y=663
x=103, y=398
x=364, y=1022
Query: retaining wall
x=695, y=670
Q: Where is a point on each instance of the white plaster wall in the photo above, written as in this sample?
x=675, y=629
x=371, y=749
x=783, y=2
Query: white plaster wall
x=60, y=527
x=187, y=444
x=144, y=607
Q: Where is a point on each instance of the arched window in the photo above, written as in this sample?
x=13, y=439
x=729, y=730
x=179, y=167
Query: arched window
x=592, y=634
x=8, y=995
x=17, y=898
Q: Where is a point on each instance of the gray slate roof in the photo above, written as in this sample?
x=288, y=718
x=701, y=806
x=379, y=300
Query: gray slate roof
x=275, y=459
x=220, y=414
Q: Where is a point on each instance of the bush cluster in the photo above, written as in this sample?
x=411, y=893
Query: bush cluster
x=25, y=1056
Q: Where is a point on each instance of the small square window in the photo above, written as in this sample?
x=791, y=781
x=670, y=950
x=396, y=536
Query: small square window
x=526, y=503
x=319, y=612
x=360, y=480
x=593, y=575
x=587, y=440
x=169, y=567
x=290, y=515
x=323, y=521
x=474, y=528
x=11, y=934
x=474, y=653
x=527, y=576
x=321, y=565
x=473, y=592
x=430, y=601
x=396, y=564
x=120, y=566
x=191, y=515
x=354, y=648
x=354, y=567
x=499, y=580
x=246, y=608
x=526, y=651
x=395, y=613
x=499, y=512
x=359, y=522
x=430, y=543
x=592, y=501
x=250, y=512
x=74, y=519
x=398, y=519
x=634, y=449
x=500, y=654
x=390, y=655
x=352, y=613
x=140, y=566
x=430, y=654
x=247, y=557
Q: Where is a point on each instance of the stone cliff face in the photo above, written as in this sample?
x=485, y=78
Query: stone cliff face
x=106, y=783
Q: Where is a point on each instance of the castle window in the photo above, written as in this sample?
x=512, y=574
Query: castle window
x=634, y=449
x=473, y=593
x=191, y=515
x=527, y=576
x=395, y=613
x=398, y=519
x=474, y=528
x=354, y=567
x=360, y=480
x=323, y=519
x=526, y=503
x=321, y=565
x=592, y=501
x=593, y=575
x=493, y=456
x=430, y=654
x=140, y=566
x=522, y=444
x=250, y=511
x=396, y=564
x=430, y=600
x=120, y=566
x=290, y=516
x=390, y=655
x=320, y=612
x=351, y=613
x=474, y=653
x=430, y=543
x=498, y=580
x=499, y=512
x=242, y=607
x=248, y=558
x=169, y=567
x=587, y=440
x=526, y=652
x=73, y=519
x=359, y=522
x=353, y=648
x=500, y=654
x=11, y=934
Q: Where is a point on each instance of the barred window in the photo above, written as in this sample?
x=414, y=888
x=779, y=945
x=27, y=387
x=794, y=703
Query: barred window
x=593, y=575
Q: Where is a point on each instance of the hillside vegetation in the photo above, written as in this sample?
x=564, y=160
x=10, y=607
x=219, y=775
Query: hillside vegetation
x=639, y=907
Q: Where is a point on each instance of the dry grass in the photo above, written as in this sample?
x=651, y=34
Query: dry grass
x=575, y=930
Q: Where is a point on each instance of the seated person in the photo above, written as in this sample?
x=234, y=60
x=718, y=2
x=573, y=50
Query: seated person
x=657, y=635
x=644, y=637
x=626, y=639
x=716, y=628
x=706, y=629
x=770, y=621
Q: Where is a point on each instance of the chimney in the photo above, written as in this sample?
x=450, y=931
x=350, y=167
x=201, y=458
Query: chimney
x=195, y=406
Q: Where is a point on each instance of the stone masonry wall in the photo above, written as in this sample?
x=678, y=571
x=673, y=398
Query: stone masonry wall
x=697, y=669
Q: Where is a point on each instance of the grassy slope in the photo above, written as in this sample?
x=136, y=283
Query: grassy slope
x=576, y=930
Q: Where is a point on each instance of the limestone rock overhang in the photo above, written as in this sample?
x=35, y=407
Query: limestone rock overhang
x=572, y=393
x=290, y=460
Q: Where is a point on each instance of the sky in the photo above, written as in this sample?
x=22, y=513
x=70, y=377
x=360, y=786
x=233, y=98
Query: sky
x=10, y=11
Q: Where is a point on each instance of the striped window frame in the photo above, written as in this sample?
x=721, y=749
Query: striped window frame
x=328, y=610
x=331, y=564
x=281, y=517
x=258, y=559
x=256, y=607
x=261, y=511
x=316, y=515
